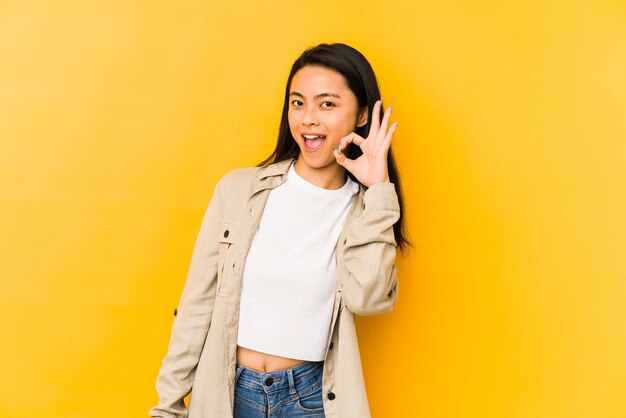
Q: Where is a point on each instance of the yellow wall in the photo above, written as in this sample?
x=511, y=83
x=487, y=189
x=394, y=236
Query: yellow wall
x=117, y=118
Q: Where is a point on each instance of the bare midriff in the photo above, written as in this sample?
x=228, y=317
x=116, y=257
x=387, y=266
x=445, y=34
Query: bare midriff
x=264, y=362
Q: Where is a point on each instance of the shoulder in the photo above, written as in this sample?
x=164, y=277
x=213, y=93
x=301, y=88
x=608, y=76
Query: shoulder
x=238, y=177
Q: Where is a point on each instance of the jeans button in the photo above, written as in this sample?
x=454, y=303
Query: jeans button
x=269, y=381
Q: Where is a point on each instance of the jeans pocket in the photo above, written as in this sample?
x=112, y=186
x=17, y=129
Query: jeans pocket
x=310, y=399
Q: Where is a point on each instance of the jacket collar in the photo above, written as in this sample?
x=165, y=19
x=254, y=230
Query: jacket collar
x=271, y=176
x=277, y=169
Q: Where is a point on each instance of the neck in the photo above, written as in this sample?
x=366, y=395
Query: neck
x=330, y=177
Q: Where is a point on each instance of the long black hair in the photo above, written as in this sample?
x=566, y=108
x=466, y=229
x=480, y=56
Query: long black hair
x=359, y=75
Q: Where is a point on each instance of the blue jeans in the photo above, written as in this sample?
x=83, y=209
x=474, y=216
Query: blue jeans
x=286, y=393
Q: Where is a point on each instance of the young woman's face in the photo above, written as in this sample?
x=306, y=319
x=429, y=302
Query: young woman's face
x=322, y=110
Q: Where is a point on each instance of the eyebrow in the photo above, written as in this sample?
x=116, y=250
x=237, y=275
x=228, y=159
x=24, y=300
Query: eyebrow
x=295, y=93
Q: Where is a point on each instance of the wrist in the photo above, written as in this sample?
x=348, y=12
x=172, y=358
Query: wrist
x=383, y=180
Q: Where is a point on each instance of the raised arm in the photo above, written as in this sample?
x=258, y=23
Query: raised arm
x=370, y=248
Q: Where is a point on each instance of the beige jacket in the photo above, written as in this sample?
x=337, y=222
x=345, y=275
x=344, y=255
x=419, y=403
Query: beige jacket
x=201, y=355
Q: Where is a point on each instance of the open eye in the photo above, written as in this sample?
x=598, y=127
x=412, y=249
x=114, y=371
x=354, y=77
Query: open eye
x=330, y=104
x=296, y=102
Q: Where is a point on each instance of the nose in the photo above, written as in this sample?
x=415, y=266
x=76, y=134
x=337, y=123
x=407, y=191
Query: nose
x=310, y=116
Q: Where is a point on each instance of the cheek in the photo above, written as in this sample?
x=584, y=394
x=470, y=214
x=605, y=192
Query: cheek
x=343, y=124
x=291, y=122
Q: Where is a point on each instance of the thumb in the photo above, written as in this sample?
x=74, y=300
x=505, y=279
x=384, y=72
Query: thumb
x=342, y=159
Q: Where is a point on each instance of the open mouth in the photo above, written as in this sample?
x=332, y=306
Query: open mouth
x=313, y=142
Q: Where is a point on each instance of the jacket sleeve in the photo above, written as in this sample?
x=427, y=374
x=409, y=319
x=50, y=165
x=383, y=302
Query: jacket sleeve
x=371, y=284
x=192, y=318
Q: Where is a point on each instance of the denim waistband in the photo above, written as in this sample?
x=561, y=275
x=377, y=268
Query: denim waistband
x=278, y=379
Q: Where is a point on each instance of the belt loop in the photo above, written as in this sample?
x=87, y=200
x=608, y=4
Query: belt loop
x=239, y=370
x=292, y=385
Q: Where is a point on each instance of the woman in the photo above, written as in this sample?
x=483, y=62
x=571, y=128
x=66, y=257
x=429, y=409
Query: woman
x=287, y=253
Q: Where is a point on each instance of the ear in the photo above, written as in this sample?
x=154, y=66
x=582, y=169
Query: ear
x=362, y=119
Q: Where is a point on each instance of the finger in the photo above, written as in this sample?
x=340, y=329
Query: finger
x=352, y=137
x=343, y=160
x=383, y=127
x=375, y=118
x=387, y=141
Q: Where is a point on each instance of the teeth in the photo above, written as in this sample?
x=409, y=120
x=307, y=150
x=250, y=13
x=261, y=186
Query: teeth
x=313, y=136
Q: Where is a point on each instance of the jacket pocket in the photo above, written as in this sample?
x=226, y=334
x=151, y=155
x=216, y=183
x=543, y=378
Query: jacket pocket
x=228, y=236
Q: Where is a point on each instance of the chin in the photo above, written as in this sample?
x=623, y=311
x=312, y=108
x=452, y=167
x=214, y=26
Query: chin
x=317, y=161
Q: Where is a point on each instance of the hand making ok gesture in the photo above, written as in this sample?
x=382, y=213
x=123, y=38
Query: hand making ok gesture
x=371, y=167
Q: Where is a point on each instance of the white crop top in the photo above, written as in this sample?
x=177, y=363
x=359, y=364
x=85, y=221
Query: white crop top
x=290, y=273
